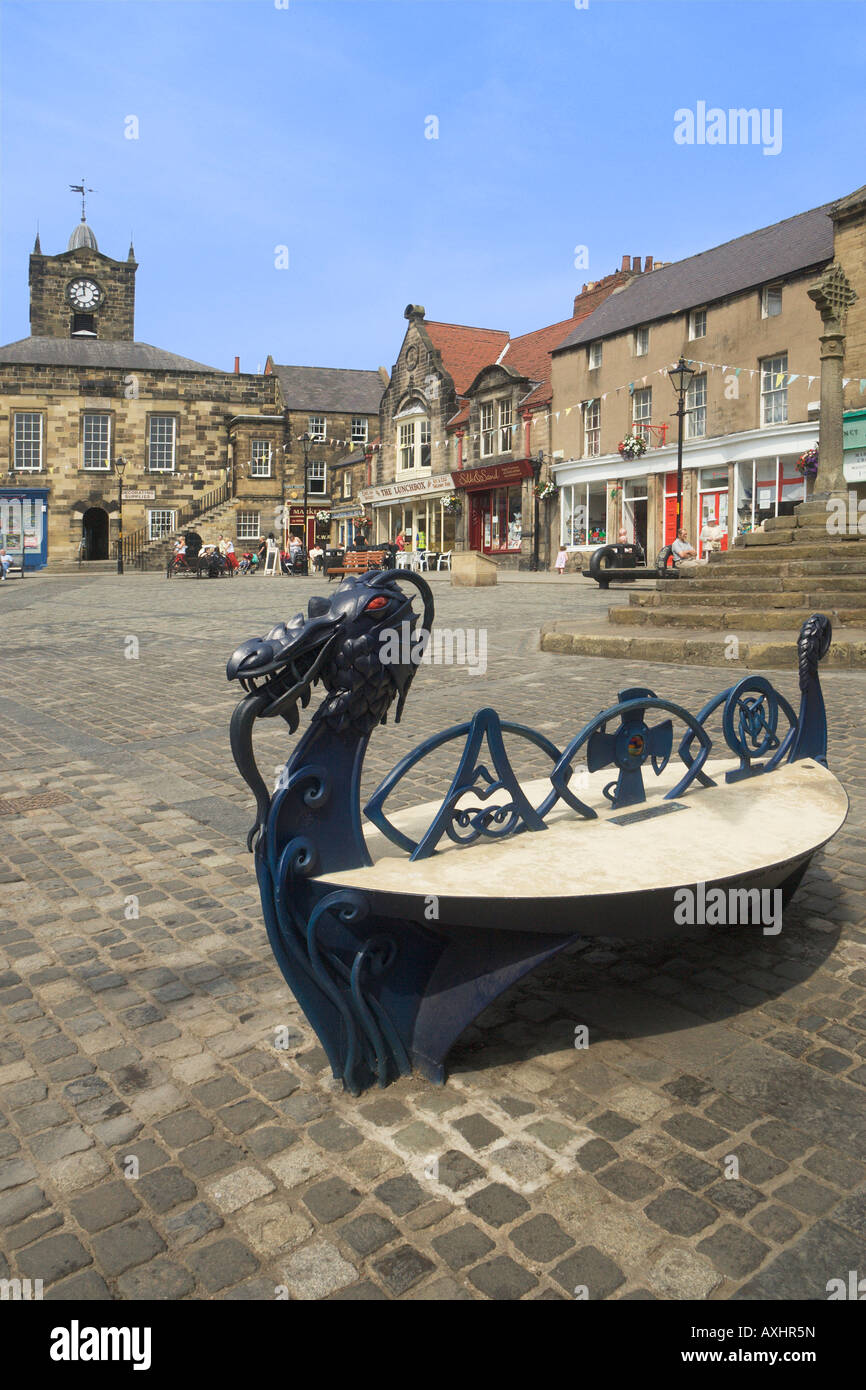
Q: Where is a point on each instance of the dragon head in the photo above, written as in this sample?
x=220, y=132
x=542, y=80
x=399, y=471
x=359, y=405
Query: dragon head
x=342, y=643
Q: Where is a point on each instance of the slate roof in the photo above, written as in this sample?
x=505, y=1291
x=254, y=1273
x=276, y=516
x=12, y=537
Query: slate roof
x=91, y=352
x=744, y=263
x=343, y=389
x=465, y=350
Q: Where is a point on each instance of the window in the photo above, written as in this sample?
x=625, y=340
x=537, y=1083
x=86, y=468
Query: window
x=316, y=426
x=95, y=441
x=316, y=477
x=641, y=411
x=696, y=407
x=159, y=523
x=641, y=342
x=161, y=444
x=771, y=301
x=414, y=444
x=249, y=526
x=594, y=356
x=592, y=429
x=488, y=428
x=502, y=519
x=28, y=442
x=583, y=516
x=505, y=426
x=407, y=445
x=774, y=389
x=697, y=324
x=260, y=459
x=347, y=483
x=359, y=429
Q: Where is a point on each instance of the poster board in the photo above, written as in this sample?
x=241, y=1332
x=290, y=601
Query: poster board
x=272, y=561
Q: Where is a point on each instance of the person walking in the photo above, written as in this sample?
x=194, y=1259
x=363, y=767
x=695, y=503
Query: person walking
x=561, y=561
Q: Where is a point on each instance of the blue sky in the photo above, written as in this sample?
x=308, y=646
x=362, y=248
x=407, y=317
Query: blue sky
x=261, y=127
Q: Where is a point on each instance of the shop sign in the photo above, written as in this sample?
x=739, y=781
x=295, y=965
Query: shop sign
x=854, y=465
x=413, y=487
x=138, y=494
x=495, y=475
x=854, y=431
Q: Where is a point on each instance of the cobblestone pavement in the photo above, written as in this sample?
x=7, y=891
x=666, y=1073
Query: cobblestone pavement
x=155, y=1143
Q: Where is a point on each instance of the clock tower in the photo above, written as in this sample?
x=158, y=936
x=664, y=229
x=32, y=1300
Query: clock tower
x=82, y=293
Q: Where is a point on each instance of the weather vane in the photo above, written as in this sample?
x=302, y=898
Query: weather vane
x=82, y=189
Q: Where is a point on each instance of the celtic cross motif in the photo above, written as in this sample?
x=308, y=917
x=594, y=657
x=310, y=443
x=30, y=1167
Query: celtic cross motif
x=833, y=294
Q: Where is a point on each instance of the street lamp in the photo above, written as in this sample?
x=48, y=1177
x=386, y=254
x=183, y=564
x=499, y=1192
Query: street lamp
x=305, y=440
x=119, y=466
x=681, y=377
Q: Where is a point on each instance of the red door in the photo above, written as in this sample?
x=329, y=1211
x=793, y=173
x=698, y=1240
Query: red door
x=670, y=508
x=476, y=519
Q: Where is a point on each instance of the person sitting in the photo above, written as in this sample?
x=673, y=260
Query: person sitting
x=681, y=550
x=317, y=555
x=5, y=561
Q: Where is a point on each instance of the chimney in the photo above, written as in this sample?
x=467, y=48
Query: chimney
x=647, y=264
x=237, y=366
x=635, y=265
x=383, y=373
x=625, y=263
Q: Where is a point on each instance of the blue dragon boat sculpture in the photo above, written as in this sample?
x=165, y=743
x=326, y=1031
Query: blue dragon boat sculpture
x=394, y=938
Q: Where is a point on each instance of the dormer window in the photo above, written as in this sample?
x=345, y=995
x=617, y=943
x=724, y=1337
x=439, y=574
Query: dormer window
x=83, y=326
x=771, y=301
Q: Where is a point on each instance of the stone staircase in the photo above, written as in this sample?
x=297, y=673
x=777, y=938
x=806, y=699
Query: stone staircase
x=218, y=521
x=746, y=606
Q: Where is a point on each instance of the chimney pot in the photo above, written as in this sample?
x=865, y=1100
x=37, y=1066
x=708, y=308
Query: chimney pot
x=625, y=263
x=635, y=264
x=648, y=263
x=237, y=366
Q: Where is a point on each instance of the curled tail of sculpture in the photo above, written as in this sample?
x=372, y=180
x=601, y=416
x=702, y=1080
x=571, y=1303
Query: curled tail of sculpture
x=813, y=645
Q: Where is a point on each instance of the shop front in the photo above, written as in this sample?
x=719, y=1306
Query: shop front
x=318, y=526
x=495, y=498
x=414, y=509
x=345, y=523
x=23, y=525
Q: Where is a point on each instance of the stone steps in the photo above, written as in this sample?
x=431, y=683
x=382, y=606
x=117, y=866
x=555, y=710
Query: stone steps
x=815, y=599
x=771, y=650
x=732, y=619
x=155, y=554
x=763, y=583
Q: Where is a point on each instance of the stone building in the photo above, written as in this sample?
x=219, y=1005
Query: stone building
x=338, y=408
x=741, y=315
x=465, y=412
x=218, y=449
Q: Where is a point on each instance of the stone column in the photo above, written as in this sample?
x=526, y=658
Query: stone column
x=832, y=295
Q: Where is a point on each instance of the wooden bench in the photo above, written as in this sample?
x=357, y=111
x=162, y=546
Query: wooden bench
x=358, y=562
x=16, y=567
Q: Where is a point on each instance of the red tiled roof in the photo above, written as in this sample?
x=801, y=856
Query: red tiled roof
x=460, y=417
x=466, y=350
x=529, y=355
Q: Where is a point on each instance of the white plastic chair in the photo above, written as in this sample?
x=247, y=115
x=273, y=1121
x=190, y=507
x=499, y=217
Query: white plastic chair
x=444, y=560
x=404, y=560
x=419, y=560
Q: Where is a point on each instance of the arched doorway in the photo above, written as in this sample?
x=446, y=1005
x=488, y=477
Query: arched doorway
x=95, y=530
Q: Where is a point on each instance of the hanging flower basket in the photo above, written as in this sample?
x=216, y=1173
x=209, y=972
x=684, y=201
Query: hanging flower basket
x=632, y=447
x=545, y=490
x=452, y=504
x=323, y=515
x=807, y=463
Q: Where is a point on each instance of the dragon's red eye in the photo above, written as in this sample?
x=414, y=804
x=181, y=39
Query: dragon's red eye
x=378, y=602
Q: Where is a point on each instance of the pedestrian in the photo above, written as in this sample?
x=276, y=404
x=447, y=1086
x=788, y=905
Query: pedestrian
x=681, y=550
x=229, y=552
x=5, y=561
x=562, y=560
x=400, y=540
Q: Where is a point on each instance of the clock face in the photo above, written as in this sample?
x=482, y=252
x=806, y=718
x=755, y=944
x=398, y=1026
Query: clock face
x=84, y=294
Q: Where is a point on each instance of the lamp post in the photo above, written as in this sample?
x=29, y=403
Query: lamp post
x=681, y=377
x=536, y=475
x=119, y=466
x=305, y=440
